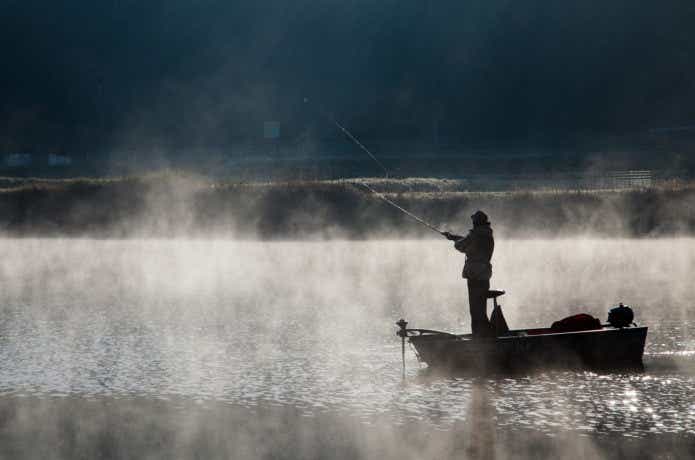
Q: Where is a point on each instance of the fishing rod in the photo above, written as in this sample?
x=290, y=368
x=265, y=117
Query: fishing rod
x=386, y=173
x=402, y=324
x=352, y=138
x=356, y=141
x=405, y=211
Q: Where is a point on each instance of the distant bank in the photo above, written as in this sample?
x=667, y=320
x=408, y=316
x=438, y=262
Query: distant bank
x=177, y=205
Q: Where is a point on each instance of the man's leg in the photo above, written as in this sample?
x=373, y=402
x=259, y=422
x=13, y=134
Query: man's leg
x=477, y=300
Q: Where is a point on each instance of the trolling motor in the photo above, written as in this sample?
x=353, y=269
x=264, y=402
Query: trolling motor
x=402, y=333
x=621, y=316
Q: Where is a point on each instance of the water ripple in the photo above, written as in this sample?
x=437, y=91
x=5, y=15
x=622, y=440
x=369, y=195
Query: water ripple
x=211, y=322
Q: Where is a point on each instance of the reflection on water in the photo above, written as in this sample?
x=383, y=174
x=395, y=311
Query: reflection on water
x=311, y=326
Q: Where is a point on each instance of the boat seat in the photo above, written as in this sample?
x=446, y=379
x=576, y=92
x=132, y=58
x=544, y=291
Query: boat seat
x=494, y=294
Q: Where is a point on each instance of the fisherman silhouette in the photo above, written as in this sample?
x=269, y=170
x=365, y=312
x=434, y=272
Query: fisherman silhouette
x=478, y=246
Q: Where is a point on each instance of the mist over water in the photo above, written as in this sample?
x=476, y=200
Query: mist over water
x=309, y=326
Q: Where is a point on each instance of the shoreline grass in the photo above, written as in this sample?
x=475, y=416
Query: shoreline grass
x=172, y=204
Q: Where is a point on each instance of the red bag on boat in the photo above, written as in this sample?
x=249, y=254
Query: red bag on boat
x=580, y=322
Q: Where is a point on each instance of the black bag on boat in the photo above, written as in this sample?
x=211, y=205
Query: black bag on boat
x=620, y=316
x=580, y=322
x=499, y=324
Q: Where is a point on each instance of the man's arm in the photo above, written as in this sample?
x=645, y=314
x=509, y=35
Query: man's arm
x=451, y=236
x=462, y=243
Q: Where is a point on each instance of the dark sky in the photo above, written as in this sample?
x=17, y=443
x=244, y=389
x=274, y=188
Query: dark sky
x=81, y=75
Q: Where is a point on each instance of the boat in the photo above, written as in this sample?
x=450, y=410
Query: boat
x=616, y=345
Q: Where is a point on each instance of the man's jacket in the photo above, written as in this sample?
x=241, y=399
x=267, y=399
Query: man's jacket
x=478, y=246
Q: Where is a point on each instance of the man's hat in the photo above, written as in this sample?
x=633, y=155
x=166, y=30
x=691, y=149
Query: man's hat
x=479, y=218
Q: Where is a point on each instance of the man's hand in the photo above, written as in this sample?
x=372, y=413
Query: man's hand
x=450, y=236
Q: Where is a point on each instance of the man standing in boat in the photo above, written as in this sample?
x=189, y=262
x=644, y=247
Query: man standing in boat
x=478, y=246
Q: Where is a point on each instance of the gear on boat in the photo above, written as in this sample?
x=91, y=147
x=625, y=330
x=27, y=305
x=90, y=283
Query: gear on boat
x=576, y=323
x=621, y=316
x=497, y=321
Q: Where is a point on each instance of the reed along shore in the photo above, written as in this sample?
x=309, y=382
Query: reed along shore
x=178, y=205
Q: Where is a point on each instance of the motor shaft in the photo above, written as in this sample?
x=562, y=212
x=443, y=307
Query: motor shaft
x=403, y=333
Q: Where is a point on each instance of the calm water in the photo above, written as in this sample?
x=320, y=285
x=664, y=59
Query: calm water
x=310, y=325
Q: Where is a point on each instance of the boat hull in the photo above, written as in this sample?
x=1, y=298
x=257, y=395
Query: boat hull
x=605, y=348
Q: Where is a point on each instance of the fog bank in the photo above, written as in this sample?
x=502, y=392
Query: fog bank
x=190, y=206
